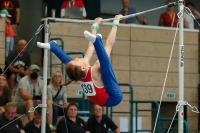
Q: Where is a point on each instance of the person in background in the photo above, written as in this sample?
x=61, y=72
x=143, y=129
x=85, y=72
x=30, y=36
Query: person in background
x=169, y=18
x=72, y=4
x=34, y=126
x=126, y=10
x=189, y=19
x=29, y=94
x=53, y=5
x=16, y=125
x=5, y=94
x=70, y=123
x=19, y=68
x=57, y=95
x=13, y=7
x=9, y=32
x=100, y=123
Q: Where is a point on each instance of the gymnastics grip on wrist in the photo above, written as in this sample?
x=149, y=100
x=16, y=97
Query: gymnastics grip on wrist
x=95, y=26
x=115, y=23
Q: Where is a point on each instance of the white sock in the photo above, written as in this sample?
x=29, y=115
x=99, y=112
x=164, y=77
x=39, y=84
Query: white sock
x=44, y=45
x=89, y=36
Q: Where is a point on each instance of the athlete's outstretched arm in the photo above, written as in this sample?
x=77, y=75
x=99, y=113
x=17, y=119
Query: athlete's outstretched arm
x=90, y=49
x=112, y=35
x=110, y=41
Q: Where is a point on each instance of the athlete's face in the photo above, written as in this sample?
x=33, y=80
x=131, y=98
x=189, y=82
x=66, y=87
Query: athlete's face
x=78, y=62
x=98, y=111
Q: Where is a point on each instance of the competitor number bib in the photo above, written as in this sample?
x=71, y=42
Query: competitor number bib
x=88, y=88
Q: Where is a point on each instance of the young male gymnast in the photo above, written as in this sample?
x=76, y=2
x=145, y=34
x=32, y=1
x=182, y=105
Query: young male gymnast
x=98, y=82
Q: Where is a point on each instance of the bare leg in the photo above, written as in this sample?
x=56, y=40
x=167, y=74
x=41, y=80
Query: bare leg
x=11, y=82
x=29, y=104
x=50, y=111
x=50, y=115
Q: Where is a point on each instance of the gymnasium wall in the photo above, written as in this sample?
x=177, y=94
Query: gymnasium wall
x=140, y=57
x=33, y=10
x=2, y=42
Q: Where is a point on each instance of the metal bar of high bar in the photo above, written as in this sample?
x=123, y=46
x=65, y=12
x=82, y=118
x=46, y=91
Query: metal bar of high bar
x=110, y=19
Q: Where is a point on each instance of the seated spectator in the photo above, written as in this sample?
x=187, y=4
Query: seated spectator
x=34, y=126
x=5, y=94
x=126, y=10
x=169, y=18
x=189, y=19
x=100, y=123
x=19, y=67
x=76, y=4
x=10, y=115
x=57, y=95
x=9, y=32
x=29, y=92
x=70, y=123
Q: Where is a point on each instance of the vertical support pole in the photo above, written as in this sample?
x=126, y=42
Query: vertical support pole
x=181, y=68
x=51, y=53
x=45, y=14
x=45, y=62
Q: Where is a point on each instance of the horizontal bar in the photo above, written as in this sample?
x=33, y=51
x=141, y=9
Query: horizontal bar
x=107, y=20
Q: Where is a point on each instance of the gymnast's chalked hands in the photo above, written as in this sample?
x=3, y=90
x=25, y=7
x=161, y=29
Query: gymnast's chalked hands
x=117, y=17
x=98, y=20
